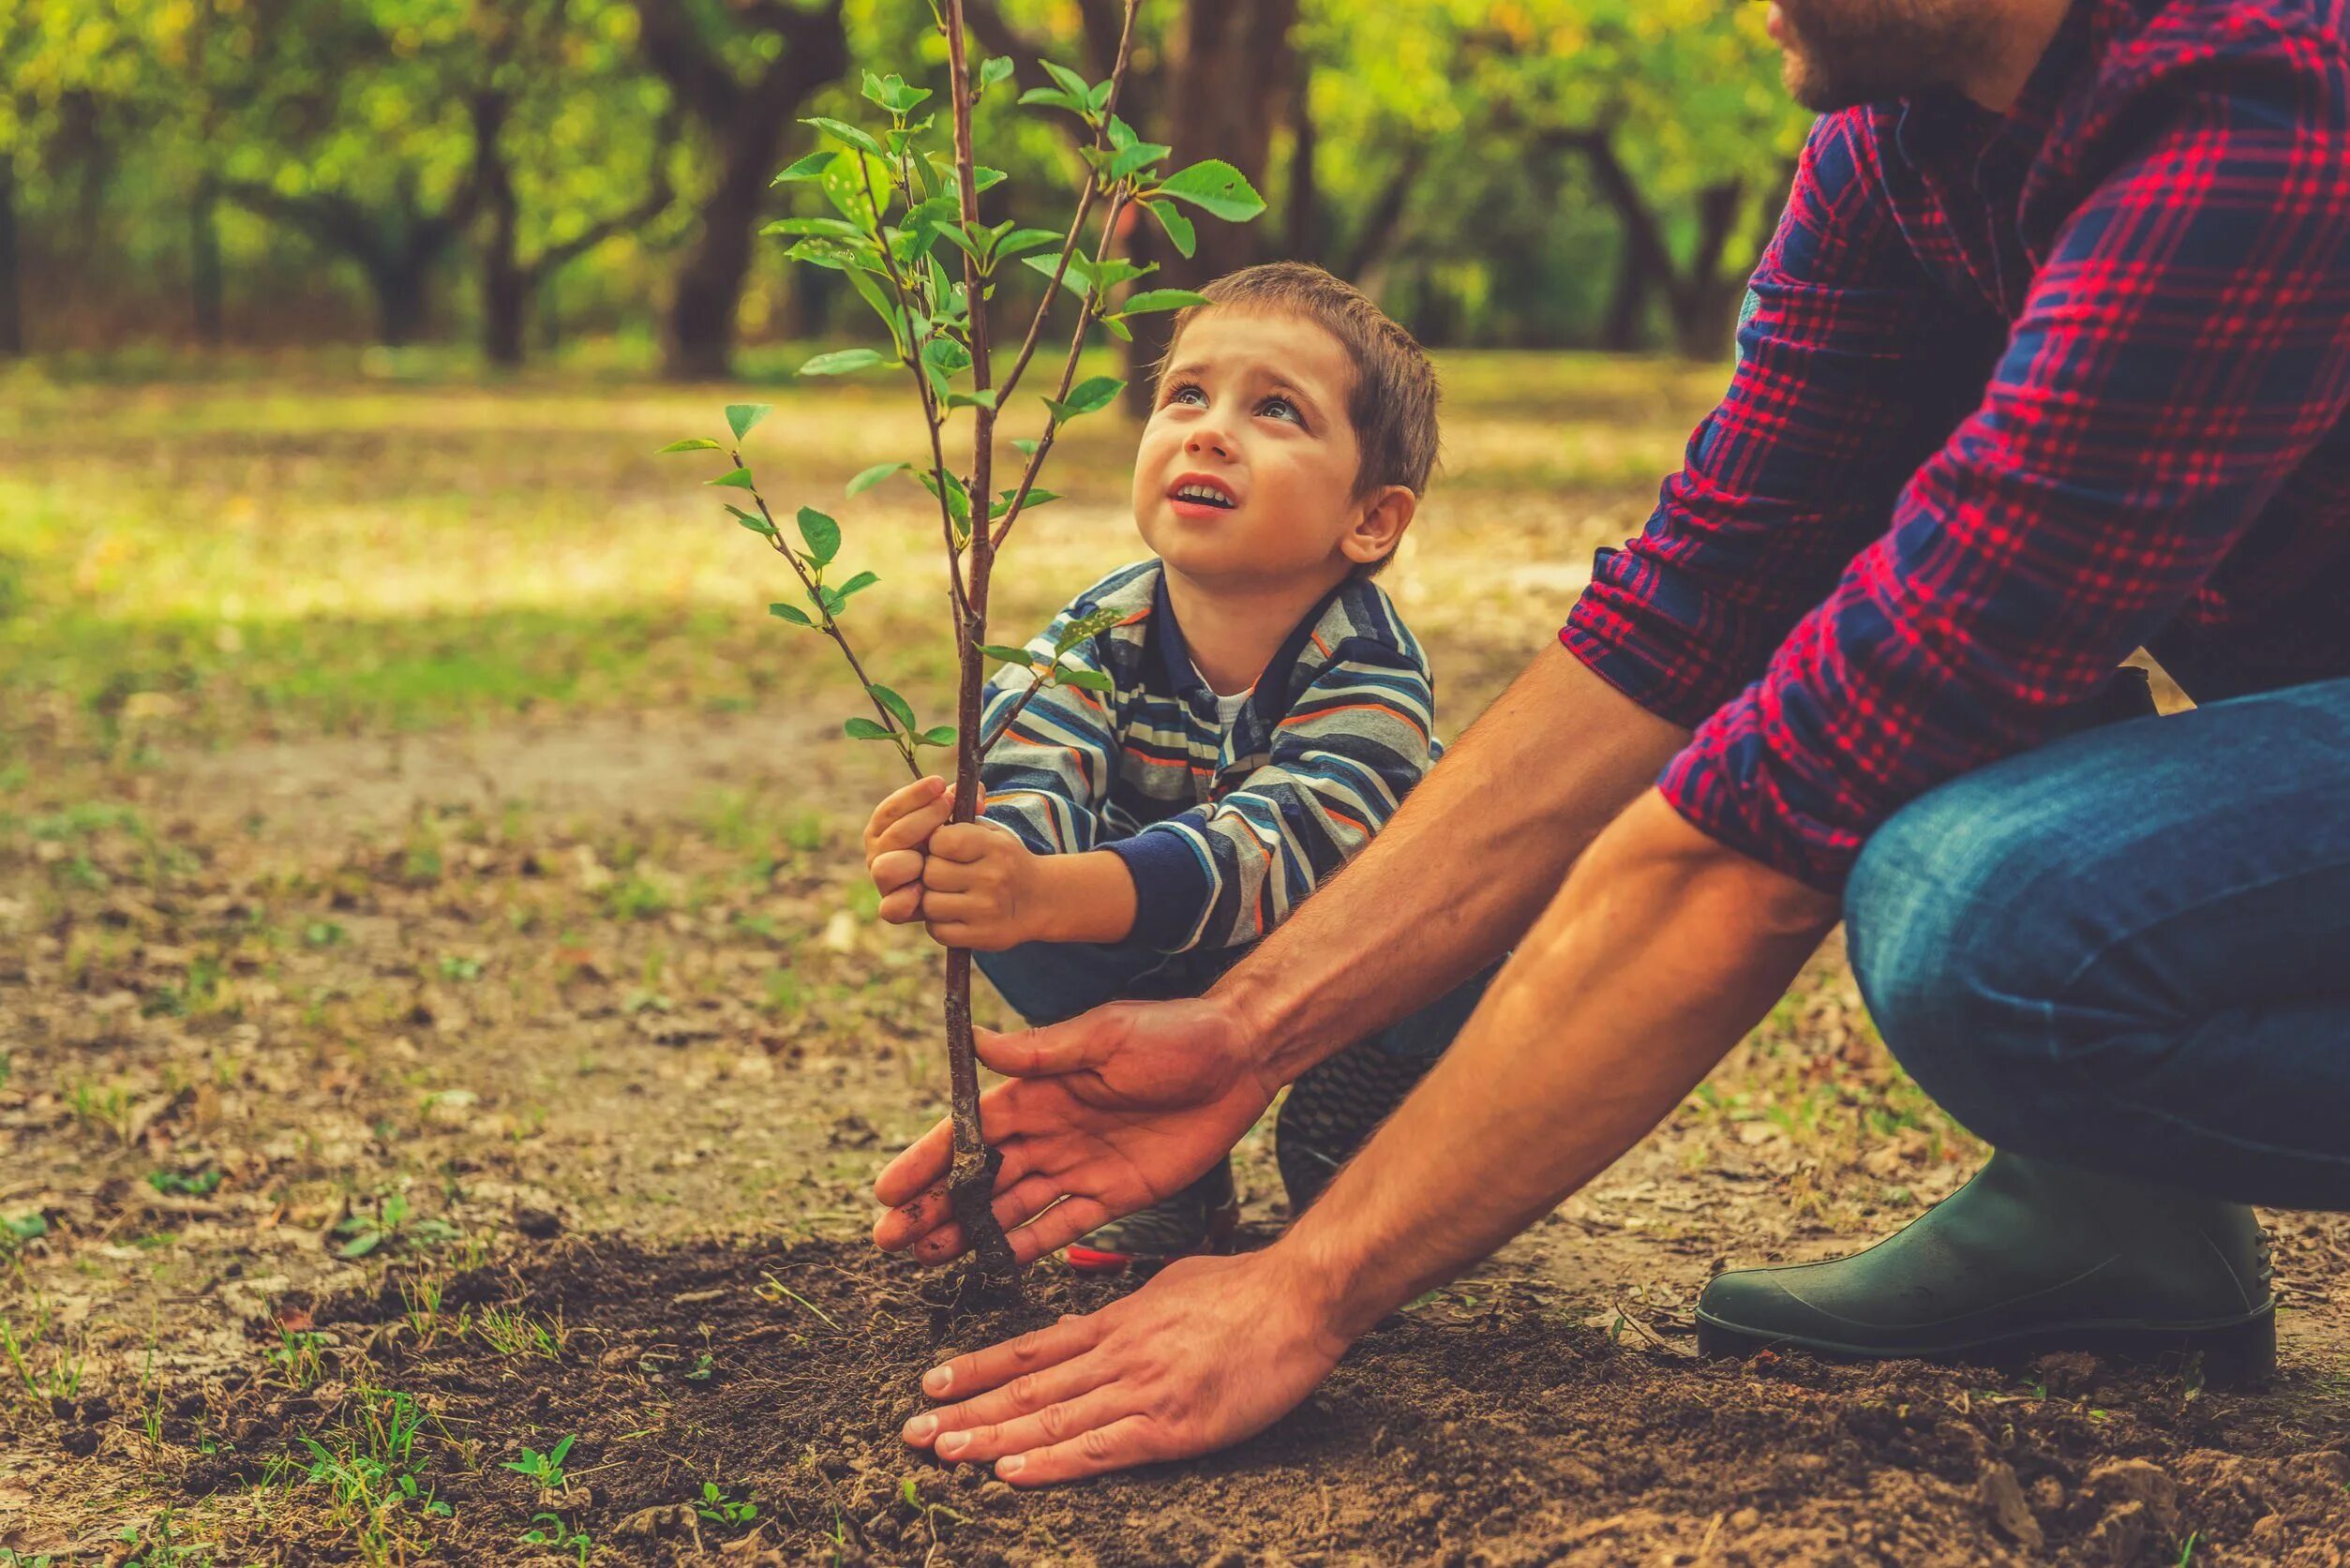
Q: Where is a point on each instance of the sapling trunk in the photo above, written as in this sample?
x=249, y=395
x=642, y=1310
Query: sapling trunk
x=939, y=332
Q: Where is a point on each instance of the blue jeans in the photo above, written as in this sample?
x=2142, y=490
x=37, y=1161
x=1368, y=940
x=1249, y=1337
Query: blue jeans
x=1048, y=981
x=2129, y=949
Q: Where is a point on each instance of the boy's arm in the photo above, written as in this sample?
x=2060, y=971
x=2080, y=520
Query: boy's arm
x=1341, y=761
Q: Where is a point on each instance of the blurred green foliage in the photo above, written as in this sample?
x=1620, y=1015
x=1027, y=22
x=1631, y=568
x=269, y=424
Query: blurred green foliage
x=269, y=173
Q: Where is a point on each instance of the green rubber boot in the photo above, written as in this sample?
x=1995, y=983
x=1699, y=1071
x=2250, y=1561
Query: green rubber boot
x=2026, y=1258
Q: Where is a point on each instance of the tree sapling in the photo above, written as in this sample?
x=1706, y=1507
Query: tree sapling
x=909, y=208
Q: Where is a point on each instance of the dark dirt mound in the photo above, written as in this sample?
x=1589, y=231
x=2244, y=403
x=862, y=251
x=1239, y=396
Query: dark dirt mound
x=1482, y=1427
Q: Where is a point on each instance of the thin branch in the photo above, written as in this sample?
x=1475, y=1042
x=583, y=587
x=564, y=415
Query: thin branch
x=1086, y=315
x=1084, y=204
x=1043, y=676
x=831, y=628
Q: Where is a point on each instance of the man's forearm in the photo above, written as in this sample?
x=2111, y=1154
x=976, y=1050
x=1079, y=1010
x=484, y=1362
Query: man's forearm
x=1460, y=873
x=1660, y=953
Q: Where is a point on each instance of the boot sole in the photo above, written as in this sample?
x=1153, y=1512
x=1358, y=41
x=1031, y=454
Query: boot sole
x=1222, y=1229
x=2238, y=1353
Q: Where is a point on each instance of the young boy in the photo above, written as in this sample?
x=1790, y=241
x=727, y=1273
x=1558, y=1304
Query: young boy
x=1266, y=711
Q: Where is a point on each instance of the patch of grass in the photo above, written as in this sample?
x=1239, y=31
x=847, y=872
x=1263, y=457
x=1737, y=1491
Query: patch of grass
x=395, y=1225
x=719, y=1508
x=512, y=1332
x=299, y=1355
x=368, y=1471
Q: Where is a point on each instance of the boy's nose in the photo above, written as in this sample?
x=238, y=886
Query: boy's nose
x=1207, y=438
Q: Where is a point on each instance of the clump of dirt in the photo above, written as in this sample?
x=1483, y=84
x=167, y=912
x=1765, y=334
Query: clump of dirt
x=1485, y=1427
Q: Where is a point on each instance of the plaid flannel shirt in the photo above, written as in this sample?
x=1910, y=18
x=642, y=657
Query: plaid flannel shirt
x=2017, y=395
x=1224, y=833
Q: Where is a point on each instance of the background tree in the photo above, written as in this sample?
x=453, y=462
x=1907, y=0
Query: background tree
x=745, y=74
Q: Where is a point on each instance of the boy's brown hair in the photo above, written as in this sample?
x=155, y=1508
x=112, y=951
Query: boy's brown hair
x=1392, y=403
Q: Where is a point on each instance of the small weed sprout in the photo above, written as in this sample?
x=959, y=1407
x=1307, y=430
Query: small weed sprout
x=719, y=1509
x=545, y=1468
x=392, y=1222
x=549, y=1529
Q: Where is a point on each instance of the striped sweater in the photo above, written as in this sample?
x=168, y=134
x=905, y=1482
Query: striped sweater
x=1224, y=833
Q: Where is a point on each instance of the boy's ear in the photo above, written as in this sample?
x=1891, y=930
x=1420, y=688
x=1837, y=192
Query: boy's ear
x=1379, y=527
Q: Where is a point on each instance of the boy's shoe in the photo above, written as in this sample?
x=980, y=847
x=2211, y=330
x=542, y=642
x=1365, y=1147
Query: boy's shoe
x=1200, y=1219
x=2026, y=1258
x=1332, y=1111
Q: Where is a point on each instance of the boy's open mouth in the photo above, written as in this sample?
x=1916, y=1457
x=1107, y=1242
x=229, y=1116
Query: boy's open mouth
x=1198, y=490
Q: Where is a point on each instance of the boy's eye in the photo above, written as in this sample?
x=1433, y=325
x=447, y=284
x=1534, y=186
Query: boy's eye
x=1186, y=393
x=1281, y=408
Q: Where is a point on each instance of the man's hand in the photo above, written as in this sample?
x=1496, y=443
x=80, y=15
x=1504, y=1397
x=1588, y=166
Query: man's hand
x=1103, y=1116
x=1210, y=1351
x=982, y=889
x=895, y=835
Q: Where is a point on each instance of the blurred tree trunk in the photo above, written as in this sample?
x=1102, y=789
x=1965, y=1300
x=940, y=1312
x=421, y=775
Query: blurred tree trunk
x=1230, y=73
x=204, y=261
x=11, y=313
x=505, y=284
x=1701, y=297
x=747, y=121
x=396, y=251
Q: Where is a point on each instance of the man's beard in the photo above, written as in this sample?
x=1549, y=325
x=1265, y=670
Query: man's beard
x=1851, y=51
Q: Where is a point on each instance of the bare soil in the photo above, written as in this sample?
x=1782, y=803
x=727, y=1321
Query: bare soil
x=618, y=1035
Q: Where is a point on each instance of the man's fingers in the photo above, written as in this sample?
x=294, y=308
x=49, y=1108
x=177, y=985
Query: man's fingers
x=1062, y=1421
x=1083, y=1041
x=968, y=1376
x=1056, y=1228
x=898, y=803
x=922, y=1165
x=1119, y=1444
x=1024, y=1396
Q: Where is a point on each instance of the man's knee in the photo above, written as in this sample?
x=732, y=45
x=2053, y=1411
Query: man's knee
x=1937, y=923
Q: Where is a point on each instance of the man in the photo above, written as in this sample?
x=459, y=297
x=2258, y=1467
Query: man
x=2048, y=361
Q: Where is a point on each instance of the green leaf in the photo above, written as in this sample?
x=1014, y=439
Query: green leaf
x=742, y=416
x=1180, y=234
x=985, y=179
x=865, y=729
x=831, y=228
x=823, y=535
x=1007, y=655
x=362, y=1247
x=840, y=130
x=1161, y=299
x=806, y=167
x=1114, y=270
x=1051, y=97
x=1133, y=159
x=1080, y=270
x=1092, y=680
x=985, y=400
x=696, y=443
x=857, y=186
x=1085, y=626
x=899, y=707
x=942, y=736
x=1021, y=241
x=1217, y=188
x=994, y=70
x=752, y=522
x=958, y=499
x=1070, y=83
x=857, y=584
x=874, y=476
x=947, y=354
x=792, y=613
x=740, y=479
x=841, y=361
x=1037, y=496
x=1089, y=396
x=1117, y=329
x=1026, y=445
x=1099, y=99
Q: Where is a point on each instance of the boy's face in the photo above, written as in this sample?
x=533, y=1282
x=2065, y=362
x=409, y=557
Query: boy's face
x=1252, y=410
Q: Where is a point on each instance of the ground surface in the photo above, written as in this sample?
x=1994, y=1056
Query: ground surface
x=415, y=843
